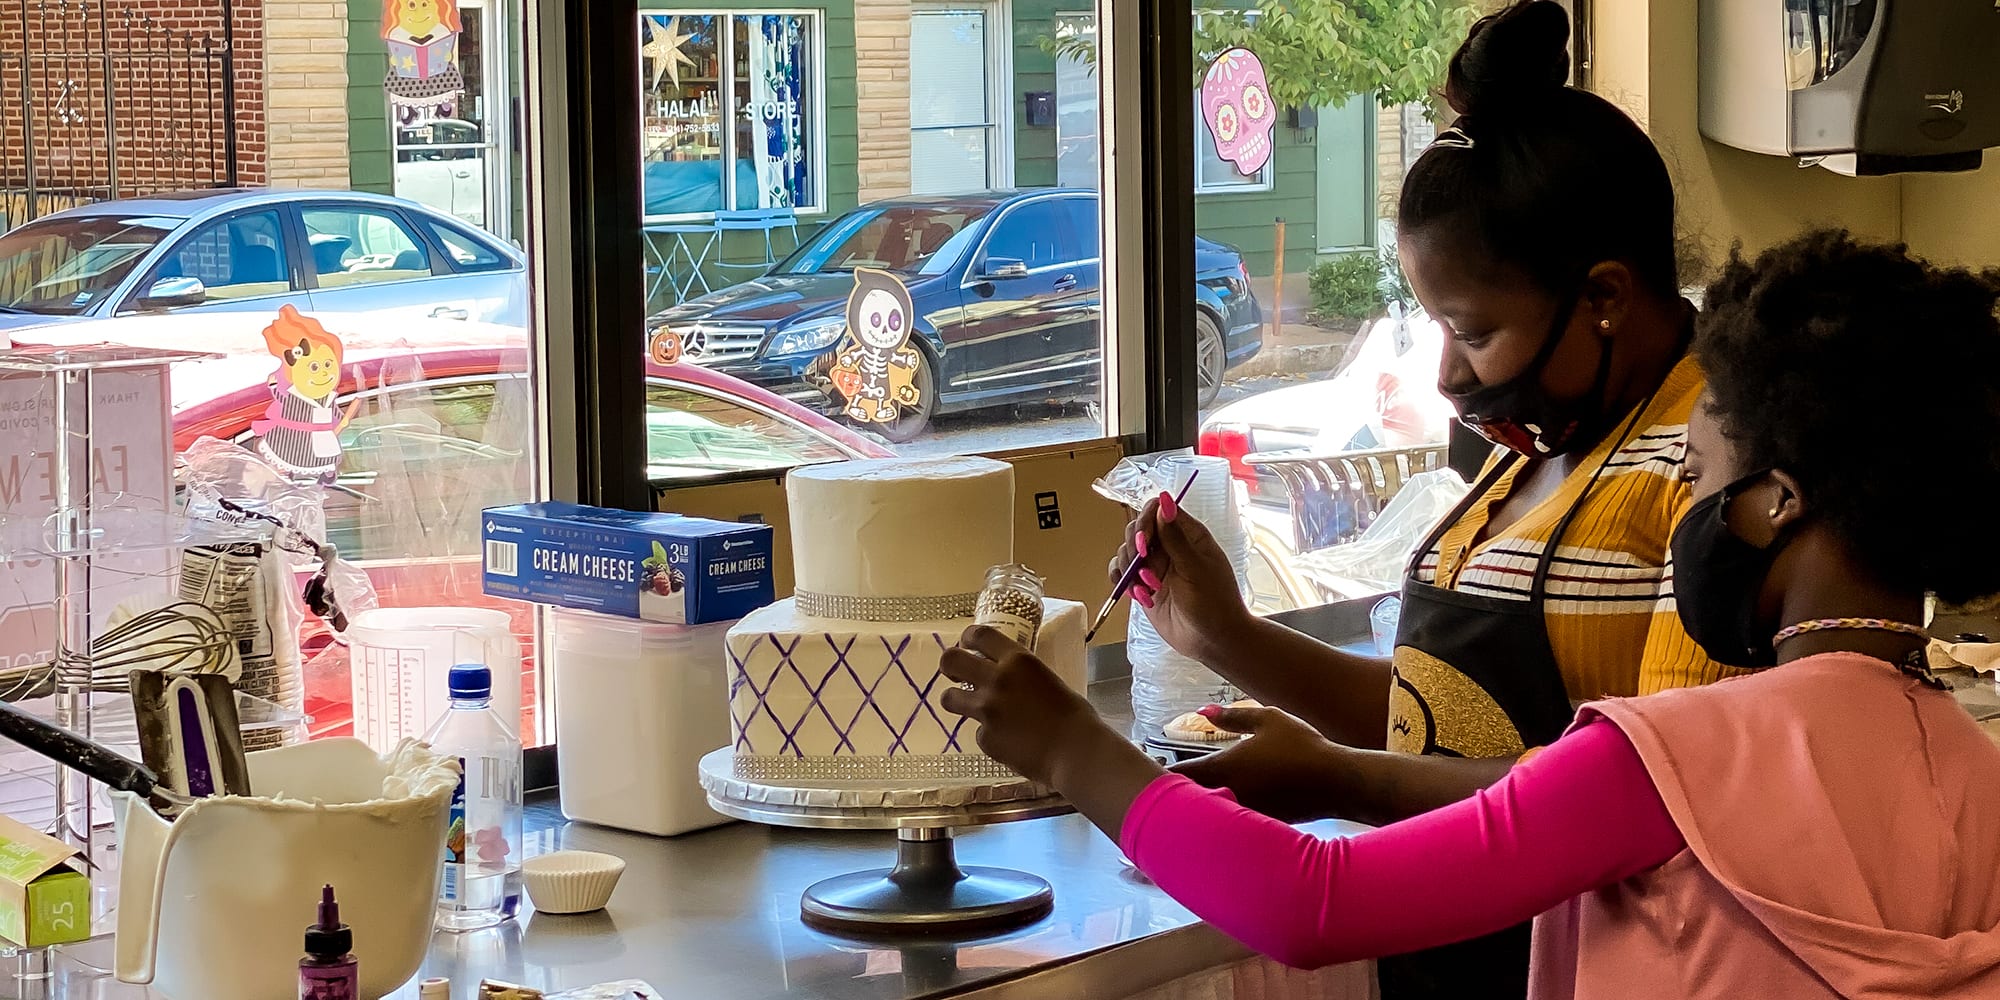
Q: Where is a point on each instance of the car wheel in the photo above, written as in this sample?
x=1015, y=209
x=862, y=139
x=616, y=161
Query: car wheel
x=1210, y=357
x=912, y=421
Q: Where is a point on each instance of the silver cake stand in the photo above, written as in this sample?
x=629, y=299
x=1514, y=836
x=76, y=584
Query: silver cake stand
x=927, y=891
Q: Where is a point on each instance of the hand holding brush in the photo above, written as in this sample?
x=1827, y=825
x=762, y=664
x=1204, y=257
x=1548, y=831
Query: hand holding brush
x=1182, y=579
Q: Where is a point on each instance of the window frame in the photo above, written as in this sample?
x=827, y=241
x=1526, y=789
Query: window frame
x=726, y=64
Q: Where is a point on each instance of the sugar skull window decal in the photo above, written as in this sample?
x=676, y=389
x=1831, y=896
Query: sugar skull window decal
x=1236, y=104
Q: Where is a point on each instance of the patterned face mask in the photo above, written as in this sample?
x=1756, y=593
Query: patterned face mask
x=1519, y=414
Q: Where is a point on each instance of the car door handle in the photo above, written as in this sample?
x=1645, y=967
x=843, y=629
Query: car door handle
x=1066, y=282
x=447, y=312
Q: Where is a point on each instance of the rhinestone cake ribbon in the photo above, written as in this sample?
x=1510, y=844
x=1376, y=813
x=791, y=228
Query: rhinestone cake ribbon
x=902, y=767
x=885, y=609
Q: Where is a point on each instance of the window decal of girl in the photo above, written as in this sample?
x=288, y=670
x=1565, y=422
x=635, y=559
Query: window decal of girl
x=422, y=37
x=300, y=430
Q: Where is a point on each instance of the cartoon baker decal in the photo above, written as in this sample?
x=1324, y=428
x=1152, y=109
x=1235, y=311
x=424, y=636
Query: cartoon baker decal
x=424, y=83
x=1236, y=104
x=300, y=430
x=875, y=370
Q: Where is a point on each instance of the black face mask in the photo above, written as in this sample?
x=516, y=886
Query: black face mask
x=1518, y=414
x=1718, y=578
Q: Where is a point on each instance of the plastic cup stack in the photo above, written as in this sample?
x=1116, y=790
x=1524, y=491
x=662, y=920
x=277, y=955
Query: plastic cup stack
x=1166, y=684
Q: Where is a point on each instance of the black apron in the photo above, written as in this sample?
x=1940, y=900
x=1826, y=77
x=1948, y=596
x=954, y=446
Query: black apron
x=1474, y=676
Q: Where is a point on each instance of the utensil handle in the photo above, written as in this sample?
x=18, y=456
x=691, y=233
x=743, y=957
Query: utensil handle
x=64, y=747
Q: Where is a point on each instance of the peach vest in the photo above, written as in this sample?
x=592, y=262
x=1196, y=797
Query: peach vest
x=1843, y=841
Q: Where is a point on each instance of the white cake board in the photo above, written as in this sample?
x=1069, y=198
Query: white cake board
x=926, y=892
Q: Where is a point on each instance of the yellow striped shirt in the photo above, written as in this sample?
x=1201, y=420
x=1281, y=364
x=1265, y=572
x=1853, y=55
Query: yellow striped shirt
x=1609, y=602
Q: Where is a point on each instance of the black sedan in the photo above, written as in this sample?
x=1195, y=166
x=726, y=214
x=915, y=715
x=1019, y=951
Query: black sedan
x=1006, y=290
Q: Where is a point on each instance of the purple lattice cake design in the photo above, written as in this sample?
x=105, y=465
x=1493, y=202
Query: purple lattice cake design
x=816, y=699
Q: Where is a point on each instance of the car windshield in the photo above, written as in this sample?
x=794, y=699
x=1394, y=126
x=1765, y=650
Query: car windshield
x=915, y=239
x=61, y=267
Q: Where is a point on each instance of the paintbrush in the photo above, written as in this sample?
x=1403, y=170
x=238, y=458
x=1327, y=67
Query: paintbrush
x=1131, y=574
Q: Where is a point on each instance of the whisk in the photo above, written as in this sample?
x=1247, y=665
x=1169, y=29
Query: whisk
x=182, y=637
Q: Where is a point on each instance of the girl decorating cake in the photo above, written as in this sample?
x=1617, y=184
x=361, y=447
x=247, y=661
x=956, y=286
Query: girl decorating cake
x=1825, y=827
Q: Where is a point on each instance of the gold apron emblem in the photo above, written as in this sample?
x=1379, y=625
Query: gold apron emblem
x=1435, y=709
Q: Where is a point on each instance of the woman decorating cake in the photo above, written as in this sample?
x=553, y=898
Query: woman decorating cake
x=1539, y=231
x=1825, y=827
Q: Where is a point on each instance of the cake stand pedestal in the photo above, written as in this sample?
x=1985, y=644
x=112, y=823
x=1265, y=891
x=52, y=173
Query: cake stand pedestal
x=927, y=891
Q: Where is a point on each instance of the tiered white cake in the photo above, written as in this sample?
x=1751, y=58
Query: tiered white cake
x=840, y=681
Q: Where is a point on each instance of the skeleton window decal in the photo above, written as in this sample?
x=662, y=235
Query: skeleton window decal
x=875, y=369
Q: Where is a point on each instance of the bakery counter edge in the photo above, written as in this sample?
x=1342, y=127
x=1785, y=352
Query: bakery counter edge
x=715, y=914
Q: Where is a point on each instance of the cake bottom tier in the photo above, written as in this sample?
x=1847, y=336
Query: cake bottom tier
x=816, y=699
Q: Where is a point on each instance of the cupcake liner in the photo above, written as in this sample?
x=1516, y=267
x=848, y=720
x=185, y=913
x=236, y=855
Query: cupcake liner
x=571, y=881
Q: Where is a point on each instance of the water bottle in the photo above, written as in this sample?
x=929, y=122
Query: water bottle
x=483, y=845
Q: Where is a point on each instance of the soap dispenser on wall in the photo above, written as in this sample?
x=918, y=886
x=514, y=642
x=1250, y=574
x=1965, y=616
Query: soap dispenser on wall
x=1862, y=87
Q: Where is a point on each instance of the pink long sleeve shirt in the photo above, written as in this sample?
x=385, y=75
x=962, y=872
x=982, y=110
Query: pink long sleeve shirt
x=1581, y=814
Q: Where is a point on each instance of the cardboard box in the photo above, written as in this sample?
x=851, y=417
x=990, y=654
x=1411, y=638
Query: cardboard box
x=653, y=567
x=43, y=899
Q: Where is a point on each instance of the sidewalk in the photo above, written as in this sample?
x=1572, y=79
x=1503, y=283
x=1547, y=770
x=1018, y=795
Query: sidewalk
x=1296, y=347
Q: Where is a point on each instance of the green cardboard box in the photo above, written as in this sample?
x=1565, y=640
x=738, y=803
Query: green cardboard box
x=44, y=900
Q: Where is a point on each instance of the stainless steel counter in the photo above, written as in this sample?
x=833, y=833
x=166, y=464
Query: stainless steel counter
x=716, y=915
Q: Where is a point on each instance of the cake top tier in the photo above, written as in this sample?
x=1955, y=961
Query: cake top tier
x=898, y=539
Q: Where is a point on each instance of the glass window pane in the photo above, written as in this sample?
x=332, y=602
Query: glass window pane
x=242, y=257
x=468, y=252
x=339, y=234
x=886, y=138
x=61, y=267
x=774, y=146
x=1076, y=104
x=948, y=53
x=352, y=246
x=1298, y=349
x=1030, y=234
x=681, y=113
x=948, y=160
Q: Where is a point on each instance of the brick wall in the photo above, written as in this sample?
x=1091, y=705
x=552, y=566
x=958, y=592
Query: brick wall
x=882, y=96
x=157, y=123
x=1388, y=160
x=307, y=92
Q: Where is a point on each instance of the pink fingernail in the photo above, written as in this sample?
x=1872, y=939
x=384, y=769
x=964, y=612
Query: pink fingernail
x=1139, y=542
x=1209, y=711
x=1150, y=578
x=1168, y=509
x=1142, y=597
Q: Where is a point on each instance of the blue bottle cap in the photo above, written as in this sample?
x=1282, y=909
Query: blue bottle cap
x=471, y=680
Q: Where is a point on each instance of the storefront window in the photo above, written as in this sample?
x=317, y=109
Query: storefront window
x=727, y=112
x=323, y=208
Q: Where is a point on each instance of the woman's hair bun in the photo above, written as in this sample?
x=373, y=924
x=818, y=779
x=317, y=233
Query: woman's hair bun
x=1510, y=59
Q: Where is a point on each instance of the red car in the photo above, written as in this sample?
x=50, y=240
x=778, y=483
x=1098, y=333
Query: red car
x=440, y=417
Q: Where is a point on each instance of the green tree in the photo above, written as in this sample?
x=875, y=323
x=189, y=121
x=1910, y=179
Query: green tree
x=1319, y=53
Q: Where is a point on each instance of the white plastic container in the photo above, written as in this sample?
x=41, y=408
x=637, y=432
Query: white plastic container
x=211, y=905
x=638, y=704
x=402, y=660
